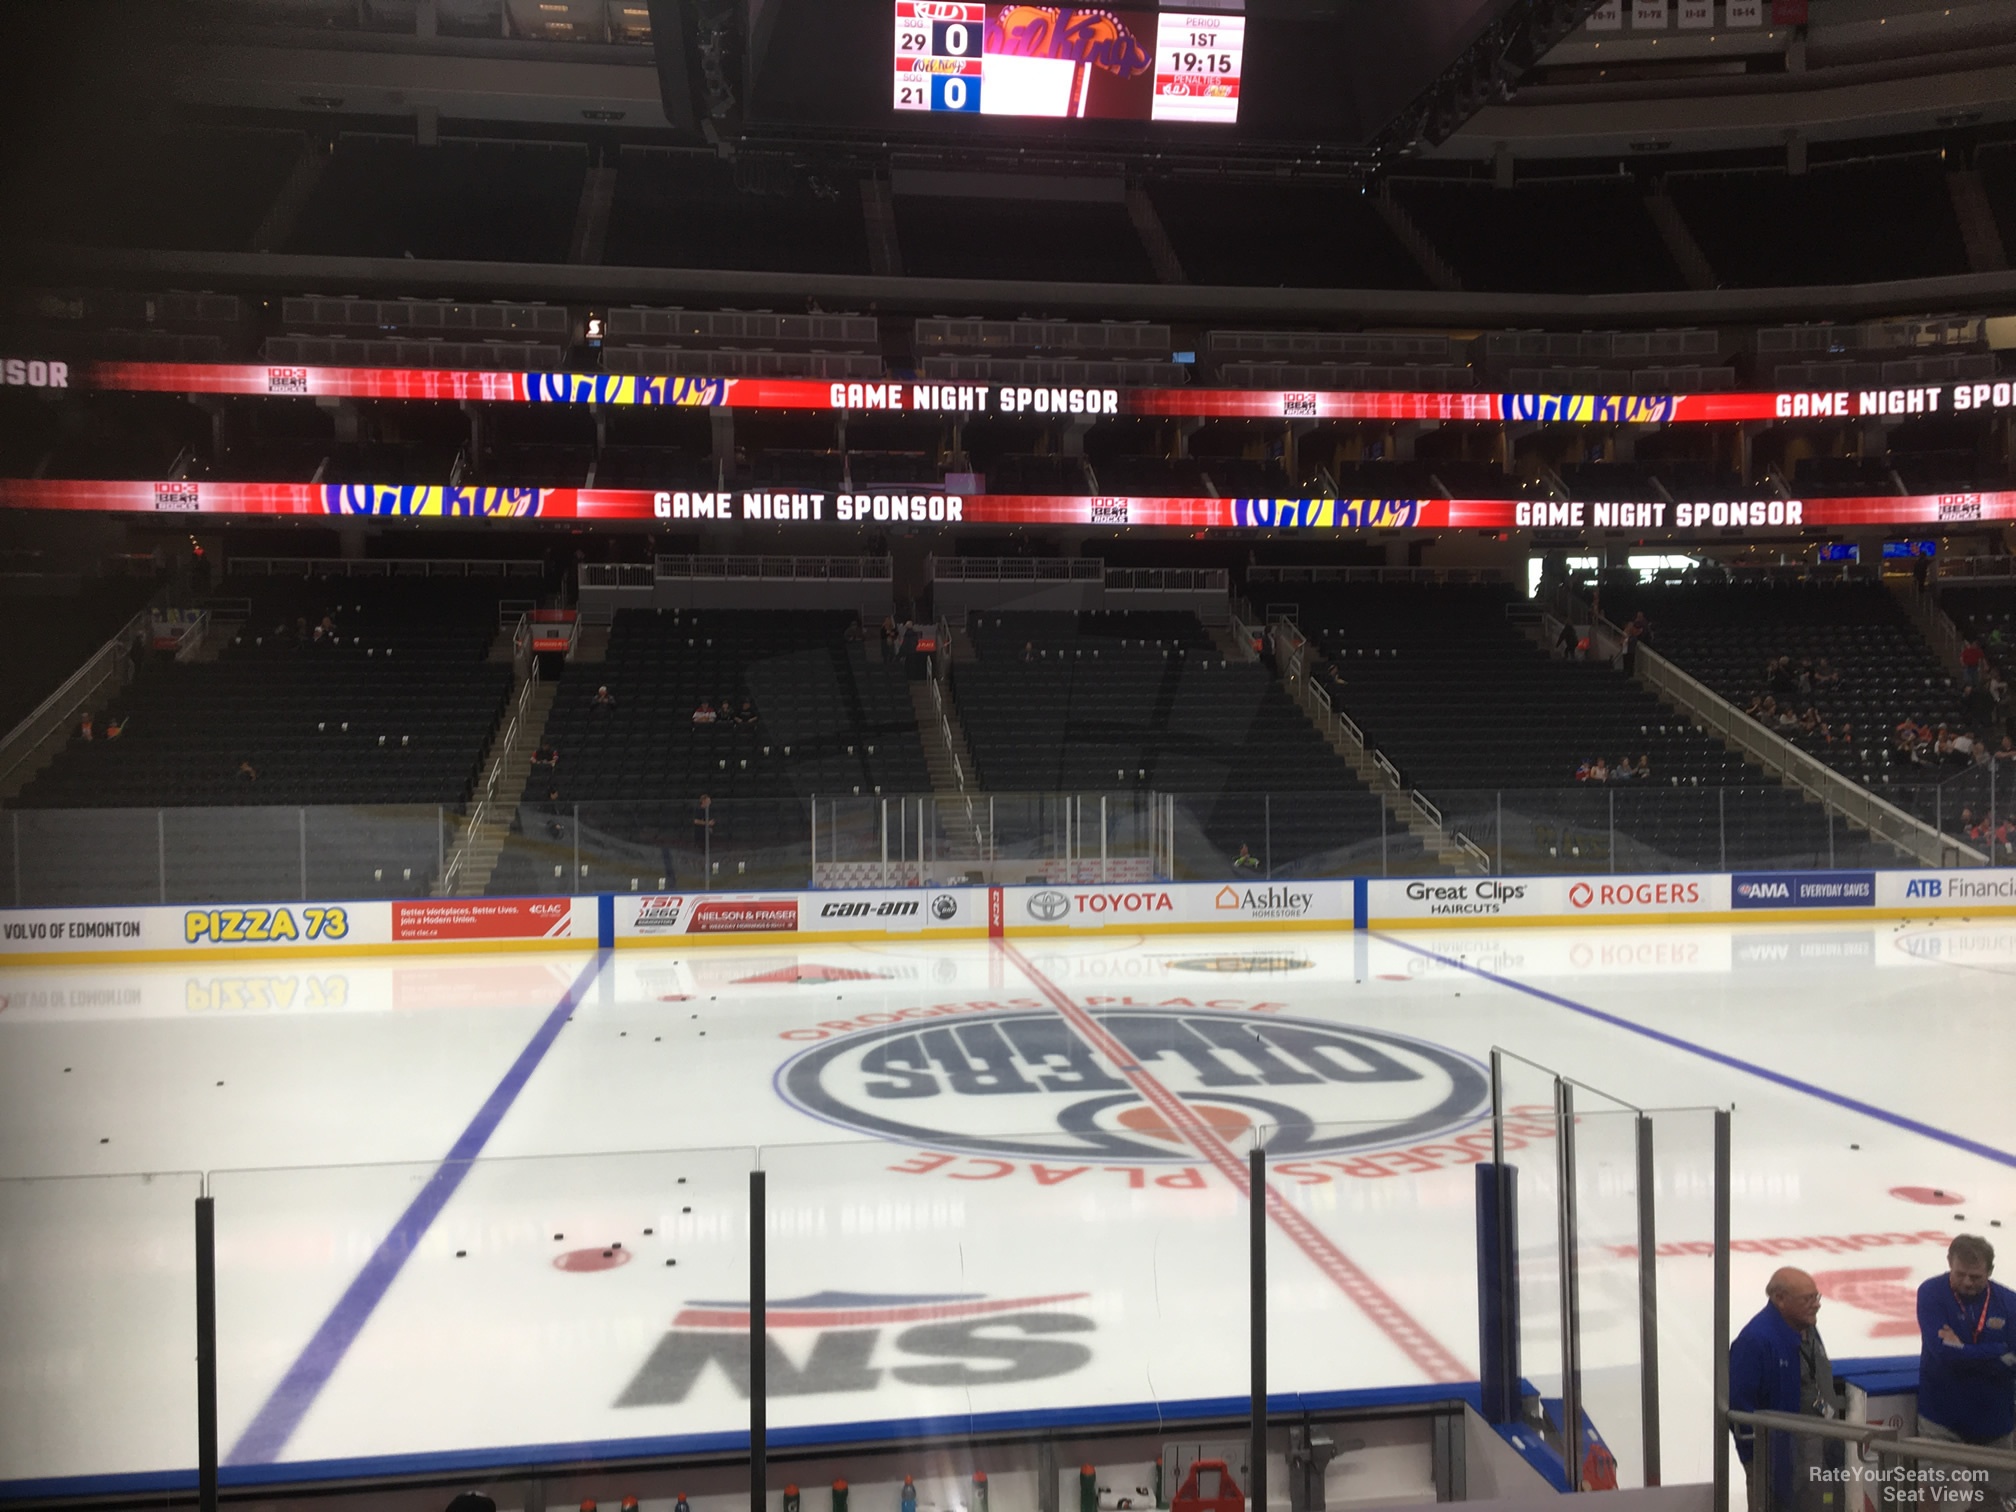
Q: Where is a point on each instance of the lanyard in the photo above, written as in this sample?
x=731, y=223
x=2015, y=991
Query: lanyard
x=1987, y=1295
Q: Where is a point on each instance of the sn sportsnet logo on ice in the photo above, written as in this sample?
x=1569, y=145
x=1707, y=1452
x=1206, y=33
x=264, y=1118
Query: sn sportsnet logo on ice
x=832, y=1343
x=993, y=1086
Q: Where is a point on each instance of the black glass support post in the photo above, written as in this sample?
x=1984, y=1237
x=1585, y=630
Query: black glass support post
x=759, y=1348
x=206, y=1355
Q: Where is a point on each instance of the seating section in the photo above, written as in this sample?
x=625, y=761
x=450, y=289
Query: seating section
x=1525, y=239
x=64, y=631
x=492, y=201
x=184, y=188
x=1767, y=229
x=685, y=210
x=1326, y=237
x=1492, y=730
x=1143, y=700
x=357, y=740
x=832, y=720
x=833, y=716
x=994, y=238
x=1726, y=634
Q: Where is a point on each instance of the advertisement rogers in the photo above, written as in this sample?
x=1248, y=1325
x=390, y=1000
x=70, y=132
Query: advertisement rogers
x=1634, y=894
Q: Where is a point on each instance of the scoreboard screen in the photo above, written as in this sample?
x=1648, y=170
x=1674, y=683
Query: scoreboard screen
x=958, y=58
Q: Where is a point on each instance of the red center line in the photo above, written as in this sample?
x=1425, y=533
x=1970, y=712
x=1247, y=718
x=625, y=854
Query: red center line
x=1434, y=1358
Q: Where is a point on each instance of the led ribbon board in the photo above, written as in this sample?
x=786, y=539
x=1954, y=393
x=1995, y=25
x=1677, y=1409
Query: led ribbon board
x=1022, y=400
x=875, y=506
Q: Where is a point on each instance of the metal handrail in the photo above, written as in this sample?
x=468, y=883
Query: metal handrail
x=1882, y=1438
x=1017, y=569
x=788, y=568
x=1852, y=801
x=56, y=711
x=481, y=812
x=385, y=567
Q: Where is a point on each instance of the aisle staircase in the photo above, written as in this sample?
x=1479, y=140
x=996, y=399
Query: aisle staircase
x=1298, y=675
x=950, y=762
x=474, y=858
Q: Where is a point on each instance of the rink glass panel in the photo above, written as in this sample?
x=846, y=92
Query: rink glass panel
x=97, y=1325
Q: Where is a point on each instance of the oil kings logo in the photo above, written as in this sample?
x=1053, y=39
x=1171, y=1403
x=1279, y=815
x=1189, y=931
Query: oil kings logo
x=1242, y=963
x=979, y=1088
x=833, y=1343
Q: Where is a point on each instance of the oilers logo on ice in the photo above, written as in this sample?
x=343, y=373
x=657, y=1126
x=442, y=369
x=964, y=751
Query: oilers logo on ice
x=831, y=1342
x=992, y=1086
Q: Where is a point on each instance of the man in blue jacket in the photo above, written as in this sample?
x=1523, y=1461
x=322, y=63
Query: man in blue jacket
x=1967, y=1366
x=1779, y=1364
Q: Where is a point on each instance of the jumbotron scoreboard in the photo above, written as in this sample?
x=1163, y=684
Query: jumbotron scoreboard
x=958, y=58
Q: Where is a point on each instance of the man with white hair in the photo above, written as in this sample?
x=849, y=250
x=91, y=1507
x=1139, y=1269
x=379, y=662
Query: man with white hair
x=1779, y=1364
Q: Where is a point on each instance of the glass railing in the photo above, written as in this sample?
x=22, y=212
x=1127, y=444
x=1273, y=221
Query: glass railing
x=110, y=856
x=941, y=1281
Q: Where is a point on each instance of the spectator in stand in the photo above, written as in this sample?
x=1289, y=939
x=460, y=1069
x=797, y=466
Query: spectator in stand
x=1779, y=1364
x=1971, y=658
x=1623, y=771
x=84, y=725
x=746, y=715
x=1245, y=861
x=1998, y=691
x=547, y=757
x=1644, y=772
x=1802, y=676
x=1824, y=675
x=1778, y=675
x=1565, y=643
x=603, y=699
x=1967, y=1359
x=117, y=727
x=1028, y=651
x=247, y=772
x=2006, y=751
x=854, y=634
x=1763, y=707
x=1787, y=720
x=1846, y=734
x=1809, y=722
x=703, y=825
x=1583, y=771
x=1599, y=771
x=704, y=714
